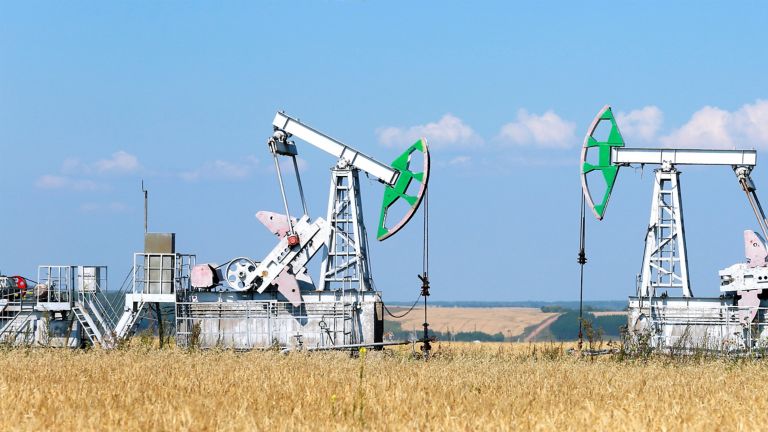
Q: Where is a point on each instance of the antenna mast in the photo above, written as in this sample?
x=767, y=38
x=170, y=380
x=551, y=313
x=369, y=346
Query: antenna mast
x=145, y=205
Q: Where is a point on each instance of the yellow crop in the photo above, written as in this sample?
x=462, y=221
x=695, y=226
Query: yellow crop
x=462, y=387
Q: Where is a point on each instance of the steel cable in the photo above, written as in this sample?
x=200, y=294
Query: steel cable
x=403, y=315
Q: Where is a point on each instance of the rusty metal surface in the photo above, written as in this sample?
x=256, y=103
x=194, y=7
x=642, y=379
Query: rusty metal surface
x=160, y=243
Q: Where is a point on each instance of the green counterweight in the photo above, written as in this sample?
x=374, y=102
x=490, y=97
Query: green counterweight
x=604, y=164
x=400, y=188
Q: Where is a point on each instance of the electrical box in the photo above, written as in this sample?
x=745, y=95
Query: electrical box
x=88, y=279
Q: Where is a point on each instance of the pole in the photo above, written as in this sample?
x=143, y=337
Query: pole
x=146, y=203
x=582, y=259
x=426, y=347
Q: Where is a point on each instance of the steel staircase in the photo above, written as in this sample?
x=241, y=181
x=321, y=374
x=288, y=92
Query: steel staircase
x=128, y=320
x=87, y=324
x=95, y=320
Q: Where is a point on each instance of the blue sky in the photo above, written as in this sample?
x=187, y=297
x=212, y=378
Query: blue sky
x=95, y=96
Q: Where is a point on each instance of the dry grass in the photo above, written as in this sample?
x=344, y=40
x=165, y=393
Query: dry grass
x=510, y=321
x=463, y=387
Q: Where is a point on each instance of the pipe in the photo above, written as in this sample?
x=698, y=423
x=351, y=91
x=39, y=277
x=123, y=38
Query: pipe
x=363, y=345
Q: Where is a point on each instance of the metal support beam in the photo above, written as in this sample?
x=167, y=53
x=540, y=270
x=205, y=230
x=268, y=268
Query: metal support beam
x=670, y=156
x=355, y=158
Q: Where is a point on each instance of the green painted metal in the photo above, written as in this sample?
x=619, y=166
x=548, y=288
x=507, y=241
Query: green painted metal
x=398, y=191
x=604, y=164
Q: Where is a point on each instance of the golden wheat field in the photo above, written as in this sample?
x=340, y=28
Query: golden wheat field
x=462, y=387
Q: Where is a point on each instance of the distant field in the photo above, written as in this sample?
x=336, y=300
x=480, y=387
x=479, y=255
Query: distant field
x=510, y=321
x=464, y=387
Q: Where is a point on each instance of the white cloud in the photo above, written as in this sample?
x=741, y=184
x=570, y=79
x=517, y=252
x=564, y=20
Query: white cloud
x=73, y=170
x=712, y=127
x=121, y=162
x=49, y=181
x=641, y=124
x=449, y=131
x=752, y=121
x=461, y=161
x=224, y=170
x=547, y=130
x=706, y=128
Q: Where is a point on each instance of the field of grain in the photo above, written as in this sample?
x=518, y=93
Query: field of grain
x=510, y=321
x=463, y=387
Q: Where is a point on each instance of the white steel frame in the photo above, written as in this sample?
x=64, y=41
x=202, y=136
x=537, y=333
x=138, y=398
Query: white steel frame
x=345, y=264
x=665, y=262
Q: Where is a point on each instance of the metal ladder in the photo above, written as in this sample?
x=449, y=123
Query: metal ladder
x=87, y=323
x=348, y=329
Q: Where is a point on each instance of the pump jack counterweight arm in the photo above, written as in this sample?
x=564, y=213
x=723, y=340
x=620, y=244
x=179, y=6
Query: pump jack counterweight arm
x=355, y=158
x=272, y=147
x=745, y=180
x=301, y=188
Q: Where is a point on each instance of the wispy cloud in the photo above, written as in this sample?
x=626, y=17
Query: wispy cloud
x=225, y=170
x=641, y=124
x=121, y=162
x=78, y=175
x=547, y=130
x=50, y=181
x=222, y=170
x=461, y=161
x=448, y=132
x=712, y=127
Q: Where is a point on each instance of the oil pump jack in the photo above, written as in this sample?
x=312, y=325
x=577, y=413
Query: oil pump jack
x=664, y=312
x=246, y=303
